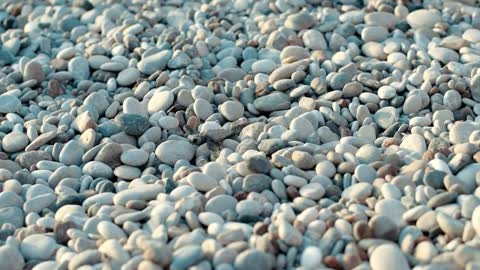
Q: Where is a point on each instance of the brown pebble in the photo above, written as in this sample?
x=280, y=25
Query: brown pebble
x=332, y=262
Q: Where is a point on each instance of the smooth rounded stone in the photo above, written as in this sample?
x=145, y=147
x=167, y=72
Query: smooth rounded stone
x=170, y=151
x=108, y=230
x=256, y=183
x=11, y=257
x=386, y=117
x=386, y=92
x=71, y=153
x=168, y=122
x=134, y=157
x=311, y=258
x=365, y=173
x=461, y=131
x=341, y=58
x=110, y=154
x=38, y=203
x=392, y=209
x=384, y=19
x=294, y=53
x=186, y=256
x=221, y=203
x=14, y=142
x=84, y=258
x=252, y=259
x=160, y=101
x=142, y=192
x=383, y=228
x=425, y=251
x=231, y=110
x=232, y=74
x=423, y=18
x=273, y=102
x=474, y=88
x=264, y=66
x=249, y=208
x=152, y=63
x=128, y=76
x=12, y=215
x=359, y=191
x=9, y=104
x=374, y=33
x=97, y=169
x=202, y=108
x=443, y=55
x=133, y=124
x=303, y=160
x=368, y=154
x=412, y=104
x=201, y=182
x=476, y=220
x=207, y=218
x=452, y=100
x=314, y=40
x=38, y=247
x=325, y=168
x=79, y=68
x=314, y=191
x=450, y=226
x=33, y=71
x=388, y=256
x=127, y=172
x=302, y=126
x=299, y=21
x=415, y=143
x=468, y=175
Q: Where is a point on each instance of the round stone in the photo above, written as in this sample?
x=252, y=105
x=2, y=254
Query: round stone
x=231, y=110
x=170, y=151
x=134, y=157
x=160, y=101
x=38, y=247
x=128, y=76
x=386, y=117
x=14, y=142
x=388, y=256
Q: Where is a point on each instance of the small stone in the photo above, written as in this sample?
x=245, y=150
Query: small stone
x=231, y=110
x=170, y=151
x=152, y=63
x=299, y=21
x=38, y=247
x=386, y=117
x=256, y=183
x=252, y=259
x=33, y=71
x=14, y=142
x=133, y=124
x=423, y=18
x=272, y=102
x=134, y=157
x=160, y=101
x=9, y=104
x=128, y=76
x=388, y=256
x=11, y=258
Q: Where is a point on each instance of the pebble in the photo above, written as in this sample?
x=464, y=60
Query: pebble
x=388, y=256
x=170, y=151
x=38, y=247
x=423, y=18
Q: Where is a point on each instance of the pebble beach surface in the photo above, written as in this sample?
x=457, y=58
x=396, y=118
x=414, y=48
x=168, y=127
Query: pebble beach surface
x=239, y=135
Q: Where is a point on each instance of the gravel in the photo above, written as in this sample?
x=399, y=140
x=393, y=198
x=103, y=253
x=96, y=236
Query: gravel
x=297, y=134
